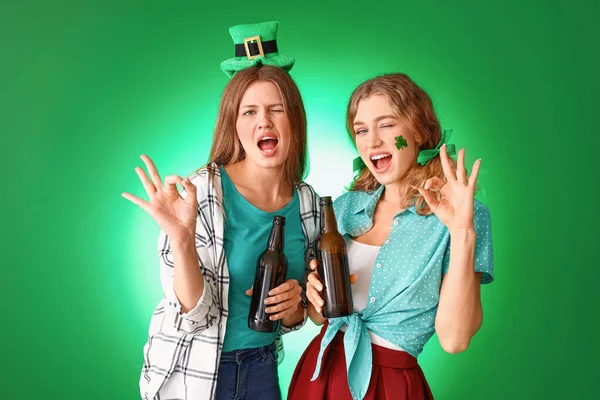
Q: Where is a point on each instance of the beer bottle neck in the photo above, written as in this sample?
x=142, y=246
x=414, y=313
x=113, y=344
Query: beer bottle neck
x=276, y=238
x=328, y=221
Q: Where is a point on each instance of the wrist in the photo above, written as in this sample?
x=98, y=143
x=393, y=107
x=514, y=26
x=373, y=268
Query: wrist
x=462, y=232
x=184, y=243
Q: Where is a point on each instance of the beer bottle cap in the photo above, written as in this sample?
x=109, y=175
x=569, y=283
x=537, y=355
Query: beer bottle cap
x=325, y=200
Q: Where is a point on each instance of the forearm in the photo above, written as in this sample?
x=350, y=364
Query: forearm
x=188, y=280
x=459, y=312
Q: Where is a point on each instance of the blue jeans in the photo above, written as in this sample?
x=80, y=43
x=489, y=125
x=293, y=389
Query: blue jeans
x=248, y=374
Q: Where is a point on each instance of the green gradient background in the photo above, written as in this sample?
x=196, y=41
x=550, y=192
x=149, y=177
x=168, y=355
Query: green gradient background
x=86, y=88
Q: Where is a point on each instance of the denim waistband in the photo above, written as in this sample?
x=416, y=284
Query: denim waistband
x=238, y=356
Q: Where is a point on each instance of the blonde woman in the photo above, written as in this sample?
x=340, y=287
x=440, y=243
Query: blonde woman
x=418, y=242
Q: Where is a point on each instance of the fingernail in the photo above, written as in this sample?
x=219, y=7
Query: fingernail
x=271, y=293
x=321, y=303
x=267, y=301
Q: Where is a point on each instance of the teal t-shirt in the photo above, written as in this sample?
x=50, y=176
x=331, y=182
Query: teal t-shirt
x=247, y=230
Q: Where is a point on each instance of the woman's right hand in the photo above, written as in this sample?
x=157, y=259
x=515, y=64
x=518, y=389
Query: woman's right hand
x=314, y=287
x=175, y=215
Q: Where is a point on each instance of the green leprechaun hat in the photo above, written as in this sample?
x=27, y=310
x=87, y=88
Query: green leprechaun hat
x=255, y=45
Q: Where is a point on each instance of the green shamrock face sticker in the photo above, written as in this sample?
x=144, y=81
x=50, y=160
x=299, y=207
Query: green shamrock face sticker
x=400, y=142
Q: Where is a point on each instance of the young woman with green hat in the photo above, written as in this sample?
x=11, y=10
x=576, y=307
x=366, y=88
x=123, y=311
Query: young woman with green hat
x=212, y=232
x=419, y=243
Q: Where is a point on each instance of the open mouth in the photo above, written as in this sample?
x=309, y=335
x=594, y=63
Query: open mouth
x=268, y=145
x=381, y=161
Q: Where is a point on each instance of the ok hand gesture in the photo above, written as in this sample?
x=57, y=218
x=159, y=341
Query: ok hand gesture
x=175, y=214
x=455, y=207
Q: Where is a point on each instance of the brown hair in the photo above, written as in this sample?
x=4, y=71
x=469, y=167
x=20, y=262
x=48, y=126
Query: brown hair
x=413, y=105
x=226, y=146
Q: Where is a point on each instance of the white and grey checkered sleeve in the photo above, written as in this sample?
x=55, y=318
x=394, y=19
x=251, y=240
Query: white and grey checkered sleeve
x=198, y=319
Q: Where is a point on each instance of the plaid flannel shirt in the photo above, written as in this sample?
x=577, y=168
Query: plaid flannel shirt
x=181, y=357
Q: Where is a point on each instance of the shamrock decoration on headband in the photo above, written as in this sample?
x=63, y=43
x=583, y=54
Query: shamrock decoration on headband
x=401, y=142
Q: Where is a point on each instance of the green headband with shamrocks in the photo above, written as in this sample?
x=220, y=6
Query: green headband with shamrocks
x=424, y=155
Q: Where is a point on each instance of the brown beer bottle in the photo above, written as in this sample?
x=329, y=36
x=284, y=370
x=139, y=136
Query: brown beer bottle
x=333, y=265
x=271, y=271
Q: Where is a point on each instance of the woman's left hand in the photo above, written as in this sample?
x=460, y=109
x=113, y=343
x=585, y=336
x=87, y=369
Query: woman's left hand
x=283, y=300
x=455, y=207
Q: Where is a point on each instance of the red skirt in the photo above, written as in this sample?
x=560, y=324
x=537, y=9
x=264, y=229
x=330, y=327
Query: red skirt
x=395, y=375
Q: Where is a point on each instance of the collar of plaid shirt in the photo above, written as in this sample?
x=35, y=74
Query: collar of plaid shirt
x=181, y=357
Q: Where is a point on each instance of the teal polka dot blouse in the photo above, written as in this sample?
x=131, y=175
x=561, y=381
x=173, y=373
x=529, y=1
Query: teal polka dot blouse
x=405, y=285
